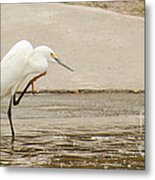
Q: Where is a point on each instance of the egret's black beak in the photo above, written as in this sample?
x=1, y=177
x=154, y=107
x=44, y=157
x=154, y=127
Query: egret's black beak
x=62, y=64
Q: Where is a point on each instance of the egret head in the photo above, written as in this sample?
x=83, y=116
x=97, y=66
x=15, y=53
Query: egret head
x=51, y=56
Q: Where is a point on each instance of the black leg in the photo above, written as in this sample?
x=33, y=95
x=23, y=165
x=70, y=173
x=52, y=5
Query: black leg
x=10, y=120
x=16, y=102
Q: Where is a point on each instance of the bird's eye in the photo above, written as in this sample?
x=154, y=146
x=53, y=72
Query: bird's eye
x=53, y=55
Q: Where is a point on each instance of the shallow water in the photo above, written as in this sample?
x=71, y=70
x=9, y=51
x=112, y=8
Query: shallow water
x=104, y=130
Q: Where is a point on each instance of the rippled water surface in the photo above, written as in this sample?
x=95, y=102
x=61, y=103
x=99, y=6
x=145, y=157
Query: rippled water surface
x=104, y=130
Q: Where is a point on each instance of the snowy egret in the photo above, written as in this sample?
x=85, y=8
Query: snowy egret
x=20, y=67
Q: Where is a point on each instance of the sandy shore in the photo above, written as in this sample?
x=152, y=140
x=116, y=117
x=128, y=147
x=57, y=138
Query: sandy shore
x=106, y=49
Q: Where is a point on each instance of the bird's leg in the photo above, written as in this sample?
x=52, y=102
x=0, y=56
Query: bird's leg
x=10, y=120
x=16, y=102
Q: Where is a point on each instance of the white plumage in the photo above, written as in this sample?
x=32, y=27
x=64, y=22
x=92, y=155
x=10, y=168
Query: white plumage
x=12, y=67
x=20, y=66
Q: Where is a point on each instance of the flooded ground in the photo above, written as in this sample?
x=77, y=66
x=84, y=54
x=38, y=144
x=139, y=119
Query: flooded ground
x=104, y=130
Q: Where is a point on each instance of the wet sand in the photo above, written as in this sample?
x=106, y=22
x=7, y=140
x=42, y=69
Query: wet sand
x=103, y=130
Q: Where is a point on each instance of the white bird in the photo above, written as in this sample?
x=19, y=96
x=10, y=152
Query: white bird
x=21, y=66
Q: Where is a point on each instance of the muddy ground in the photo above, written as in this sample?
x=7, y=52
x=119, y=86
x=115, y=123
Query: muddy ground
x=103, y=130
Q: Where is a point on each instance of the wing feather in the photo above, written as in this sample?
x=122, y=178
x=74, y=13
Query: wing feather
x=12, y=65
x=21, y=47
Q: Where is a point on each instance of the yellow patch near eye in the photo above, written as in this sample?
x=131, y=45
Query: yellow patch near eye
x=53, y=55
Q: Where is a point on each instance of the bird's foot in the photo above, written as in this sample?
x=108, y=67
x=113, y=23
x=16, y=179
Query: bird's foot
x=12, y=140
x=33, y=89
x=35, y=79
